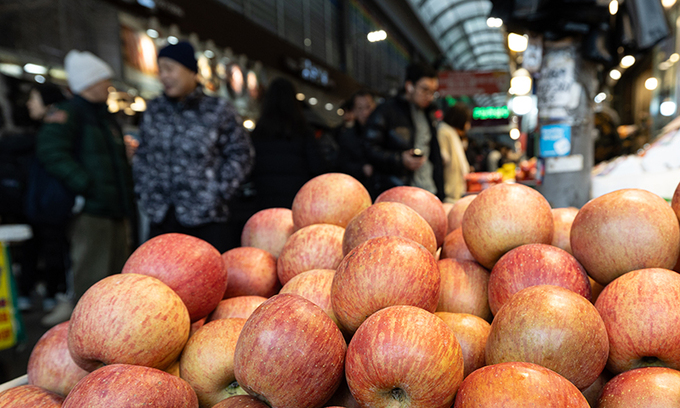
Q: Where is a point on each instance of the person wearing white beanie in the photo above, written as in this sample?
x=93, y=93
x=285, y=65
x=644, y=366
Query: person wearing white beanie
x=81, y=145
x=84, y=69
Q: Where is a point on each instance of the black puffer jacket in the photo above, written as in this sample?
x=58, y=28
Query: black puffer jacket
x=389, y=132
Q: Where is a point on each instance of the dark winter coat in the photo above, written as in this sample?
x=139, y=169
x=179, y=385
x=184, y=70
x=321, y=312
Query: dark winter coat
x=389, y=132
x=81, y=144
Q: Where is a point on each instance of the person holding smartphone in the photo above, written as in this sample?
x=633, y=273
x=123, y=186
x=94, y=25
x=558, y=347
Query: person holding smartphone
x=401, y=139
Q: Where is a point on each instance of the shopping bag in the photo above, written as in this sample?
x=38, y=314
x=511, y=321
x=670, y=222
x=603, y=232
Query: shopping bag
x=11, y=326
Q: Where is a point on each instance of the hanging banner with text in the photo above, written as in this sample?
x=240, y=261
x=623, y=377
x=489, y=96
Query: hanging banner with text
x=461, y=83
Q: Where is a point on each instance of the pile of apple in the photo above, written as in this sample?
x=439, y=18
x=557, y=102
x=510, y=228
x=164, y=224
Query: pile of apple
x=502, y=302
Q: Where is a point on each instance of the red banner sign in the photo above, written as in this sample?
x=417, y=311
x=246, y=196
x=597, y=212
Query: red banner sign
x=460, y=83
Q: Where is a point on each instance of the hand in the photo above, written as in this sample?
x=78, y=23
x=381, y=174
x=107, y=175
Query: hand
x=367, y=169
x=131, y=145
x=412, y=162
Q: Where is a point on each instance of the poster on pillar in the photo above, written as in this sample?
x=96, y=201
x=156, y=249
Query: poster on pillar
x=557, y=90
x=555, y=140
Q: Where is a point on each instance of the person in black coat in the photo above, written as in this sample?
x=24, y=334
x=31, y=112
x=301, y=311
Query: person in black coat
x=352, y=156
x=401, y=139
x=288, y=153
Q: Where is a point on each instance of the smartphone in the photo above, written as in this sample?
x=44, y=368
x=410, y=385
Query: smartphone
x=417, y=153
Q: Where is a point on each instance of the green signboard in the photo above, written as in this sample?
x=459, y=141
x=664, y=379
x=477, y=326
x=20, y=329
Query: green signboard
x=490, y=112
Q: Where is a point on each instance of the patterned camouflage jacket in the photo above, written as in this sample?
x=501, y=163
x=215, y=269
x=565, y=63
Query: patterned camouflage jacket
x=193, y=155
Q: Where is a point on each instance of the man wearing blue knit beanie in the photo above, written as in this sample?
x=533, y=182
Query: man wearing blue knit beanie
x=193, y=154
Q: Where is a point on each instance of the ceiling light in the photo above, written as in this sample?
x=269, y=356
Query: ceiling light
x=11, y=70
x=613, y=7
x=375, y=36
x=173, y=40
x=329, y=106
x=518, y=43
x=300, y=96
x=675, y=57
x=667, y=108
x=35, y=69
x=615, y=74
x=667, y=3
x=152, y=33
x=514, y=133
x=627, y=61
x=599, y=98
x=312, y=101
x=249, y=124
x=651, y=83
x=494, y=22
x=521, y=105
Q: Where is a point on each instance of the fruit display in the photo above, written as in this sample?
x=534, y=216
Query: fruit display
x=497, y=300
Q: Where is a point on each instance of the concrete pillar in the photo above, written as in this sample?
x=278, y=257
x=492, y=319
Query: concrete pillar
x=565, y=90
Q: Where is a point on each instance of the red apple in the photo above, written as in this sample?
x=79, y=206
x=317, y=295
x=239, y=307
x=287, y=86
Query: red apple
x=404, y=356
x=128, y=319
x=388, y=219
x=642, y=388
x=315, y=286
x=471, y=332
x=426, y=204
x=190, y=266
x=241, y=401
x=173, y=369
x=269, y=230
x=517, y=384
x=238, y=307
x=317, y=246
x=251, y=272
x=563, y=218
x=455, y=216
x=381, y=272
x=504, y=217
x=447, y=209
x=207, y=362
x=464, y=288
x=290, y=353
x=642, y=314
x=624, y=231
x=51, y=366
x=553, y=327
x=196, y=325
x=455, y=247
x=30, y=396
x=531, y=265
x=121, y=385
x=331, y=198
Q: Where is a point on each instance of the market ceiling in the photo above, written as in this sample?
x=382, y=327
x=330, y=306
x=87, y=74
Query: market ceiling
x=469, y=44
x=460, y=28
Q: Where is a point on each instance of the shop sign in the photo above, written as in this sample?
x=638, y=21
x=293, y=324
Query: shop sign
x=490, y=112
x=309, y=71
x=555, y=140
x=460, y=83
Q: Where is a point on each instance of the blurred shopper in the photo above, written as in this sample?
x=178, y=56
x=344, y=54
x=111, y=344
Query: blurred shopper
x=193, y=155
x=352, y=158
x=401, y=138
x=81, y=144
x=452, y=141
x=287, y=150
x=49, y=259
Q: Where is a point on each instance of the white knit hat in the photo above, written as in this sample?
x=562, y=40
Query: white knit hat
x=84, y=69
